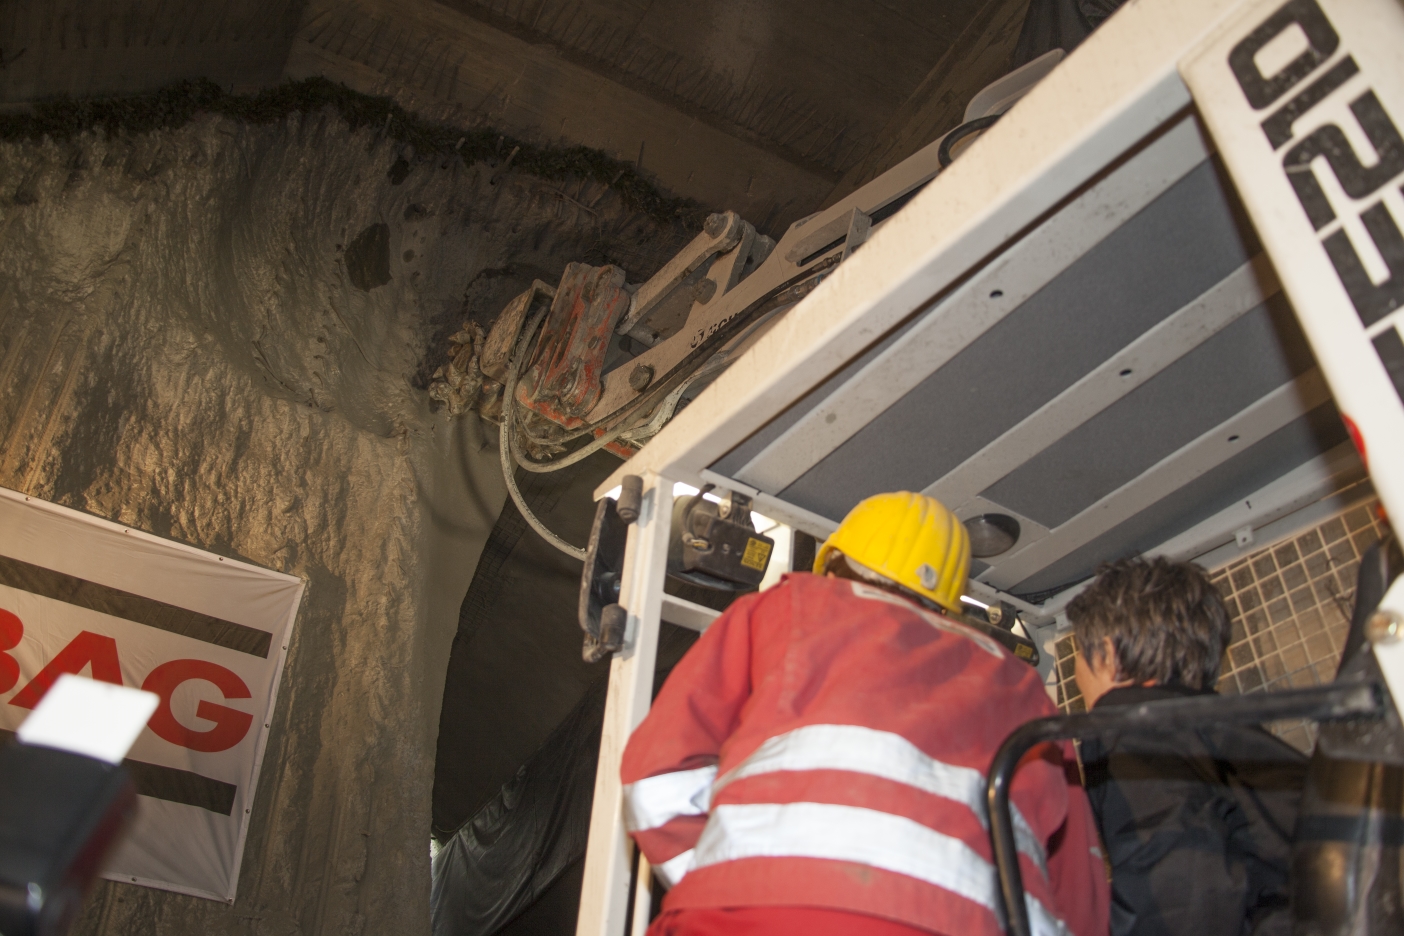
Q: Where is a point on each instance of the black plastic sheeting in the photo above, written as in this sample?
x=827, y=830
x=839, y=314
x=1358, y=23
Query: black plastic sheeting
x=514, y=671
x=509, y=854
x=1059, y=24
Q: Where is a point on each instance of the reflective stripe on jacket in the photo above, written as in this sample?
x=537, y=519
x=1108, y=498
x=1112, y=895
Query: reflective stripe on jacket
x=824, y=744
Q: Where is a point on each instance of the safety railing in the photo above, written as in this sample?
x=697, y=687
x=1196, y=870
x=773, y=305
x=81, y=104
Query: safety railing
x=1320, y=703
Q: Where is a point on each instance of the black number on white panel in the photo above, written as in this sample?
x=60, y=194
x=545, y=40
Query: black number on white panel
x=1357, y=179
x=1322, y=42
x=1372, y=301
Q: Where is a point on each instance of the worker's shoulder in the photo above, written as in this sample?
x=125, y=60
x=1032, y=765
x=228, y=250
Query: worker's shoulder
x=806, y=587
x=865, y=599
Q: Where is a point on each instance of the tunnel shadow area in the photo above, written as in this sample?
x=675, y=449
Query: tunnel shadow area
x=519, y=728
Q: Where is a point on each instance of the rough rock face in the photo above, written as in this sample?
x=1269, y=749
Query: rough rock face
x=222, y=334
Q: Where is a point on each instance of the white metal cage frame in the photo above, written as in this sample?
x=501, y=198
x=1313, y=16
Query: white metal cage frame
x=1301, y=101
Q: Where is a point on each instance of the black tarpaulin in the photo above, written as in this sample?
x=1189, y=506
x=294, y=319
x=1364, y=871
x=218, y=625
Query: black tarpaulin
x=526, y=837
x=1059, y=24
x=510, y=852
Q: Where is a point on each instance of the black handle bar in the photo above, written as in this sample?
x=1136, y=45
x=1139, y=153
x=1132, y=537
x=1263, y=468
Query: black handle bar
x=1322, y=703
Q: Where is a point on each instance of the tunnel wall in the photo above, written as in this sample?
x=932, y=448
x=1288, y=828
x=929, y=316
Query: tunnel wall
x=222, y=334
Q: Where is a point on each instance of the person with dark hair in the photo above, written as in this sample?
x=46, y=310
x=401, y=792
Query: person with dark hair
x=1197, y=824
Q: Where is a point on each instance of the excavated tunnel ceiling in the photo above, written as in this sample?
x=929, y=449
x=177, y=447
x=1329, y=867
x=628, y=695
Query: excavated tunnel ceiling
x=761, y=106
x=816, y=80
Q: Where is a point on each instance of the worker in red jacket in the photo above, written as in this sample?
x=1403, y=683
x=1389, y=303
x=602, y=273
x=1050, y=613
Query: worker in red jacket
x=816, y=763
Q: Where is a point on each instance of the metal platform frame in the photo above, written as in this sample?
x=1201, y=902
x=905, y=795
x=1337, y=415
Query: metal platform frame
x=1155, y=65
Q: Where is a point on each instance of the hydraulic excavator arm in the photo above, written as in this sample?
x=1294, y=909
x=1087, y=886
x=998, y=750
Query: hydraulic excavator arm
x=598, y=363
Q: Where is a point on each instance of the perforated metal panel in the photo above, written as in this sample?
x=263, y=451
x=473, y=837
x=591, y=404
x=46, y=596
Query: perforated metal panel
x=1186, y=242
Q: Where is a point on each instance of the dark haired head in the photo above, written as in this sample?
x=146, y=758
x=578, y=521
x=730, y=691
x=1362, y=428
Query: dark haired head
x=1166, y=622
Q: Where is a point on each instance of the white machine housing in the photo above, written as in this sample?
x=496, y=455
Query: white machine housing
x=1200, y=205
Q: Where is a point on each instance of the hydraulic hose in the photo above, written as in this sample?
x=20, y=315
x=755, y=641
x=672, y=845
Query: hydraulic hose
x=943, y=152
x=787, y=293
x=504, y=442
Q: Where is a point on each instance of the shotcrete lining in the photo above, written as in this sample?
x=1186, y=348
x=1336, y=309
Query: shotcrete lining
x=182, y=350
x=174, y=106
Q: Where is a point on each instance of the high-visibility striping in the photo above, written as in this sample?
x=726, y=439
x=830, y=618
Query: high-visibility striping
x=1372, y=828
x=672, y=871
x=654, y=801
x=864, y=836
x=880, y=754
x=105, y=599
x=935, y=620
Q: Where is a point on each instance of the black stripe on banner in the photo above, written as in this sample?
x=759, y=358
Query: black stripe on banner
x=173, y=785
x=103, y=598
x=1390, y=347
x=182, y=786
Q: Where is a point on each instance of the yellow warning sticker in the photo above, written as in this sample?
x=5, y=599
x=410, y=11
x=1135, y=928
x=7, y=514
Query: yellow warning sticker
x=757, y=555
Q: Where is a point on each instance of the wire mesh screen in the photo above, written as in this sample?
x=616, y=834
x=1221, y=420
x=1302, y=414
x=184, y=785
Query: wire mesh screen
x=1290, y=604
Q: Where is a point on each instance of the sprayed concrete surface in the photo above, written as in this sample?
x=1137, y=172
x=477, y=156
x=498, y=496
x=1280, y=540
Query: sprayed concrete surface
x=222, y=335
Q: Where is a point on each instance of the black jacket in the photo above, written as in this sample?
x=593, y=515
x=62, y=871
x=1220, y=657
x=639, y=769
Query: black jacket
x=1197, y=825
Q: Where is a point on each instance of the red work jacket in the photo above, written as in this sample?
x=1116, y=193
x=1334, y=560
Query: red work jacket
x=824, y=744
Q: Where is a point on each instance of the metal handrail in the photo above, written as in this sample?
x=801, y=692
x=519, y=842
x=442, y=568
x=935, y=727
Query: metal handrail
x=1321, y=703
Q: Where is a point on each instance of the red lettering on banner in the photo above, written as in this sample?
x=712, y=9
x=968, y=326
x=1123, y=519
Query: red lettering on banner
x=230, y=724
x=87, y=648
x=11, y=630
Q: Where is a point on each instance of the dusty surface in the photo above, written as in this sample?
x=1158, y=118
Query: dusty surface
x=218, y=334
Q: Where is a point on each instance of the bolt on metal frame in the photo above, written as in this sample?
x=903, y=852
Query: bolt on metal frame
x=1155, y=65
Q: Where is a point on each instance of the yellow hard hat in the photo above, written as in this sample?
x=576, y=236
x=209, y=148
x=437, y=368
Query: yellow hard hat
x=909, y=538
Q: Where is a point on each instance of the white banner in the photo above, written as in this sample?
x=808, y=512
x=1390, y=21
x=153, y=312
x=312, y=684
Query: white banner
x=207, y=634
